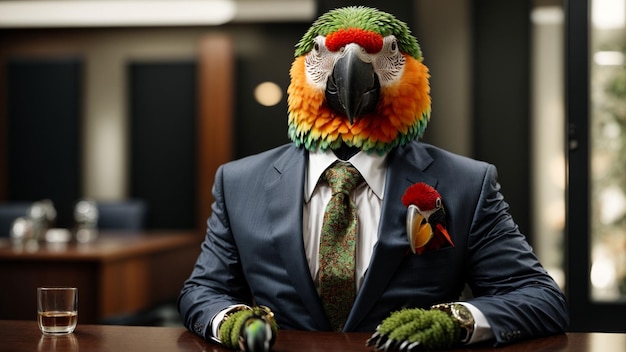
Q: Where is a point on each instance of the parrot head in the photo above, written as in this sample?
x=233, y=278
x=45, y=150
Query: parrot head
x=424, y=197
x=426, y=218
x=357, y=81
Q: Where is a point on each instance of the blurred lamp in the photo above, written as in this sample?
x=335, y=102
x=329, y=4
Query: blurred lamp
x=99, y=13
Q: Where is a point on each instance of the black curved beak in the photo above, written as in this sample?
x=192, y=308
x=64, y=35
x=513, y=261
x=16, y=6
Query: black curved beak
x=353, y=88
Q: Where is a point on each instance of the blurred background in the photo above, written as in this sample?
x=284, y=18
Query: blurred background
x=140, y=101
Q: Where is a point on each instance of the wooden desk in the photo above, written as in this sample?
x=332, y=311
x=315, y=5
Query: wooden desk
x=118, y=274
x=17, y=336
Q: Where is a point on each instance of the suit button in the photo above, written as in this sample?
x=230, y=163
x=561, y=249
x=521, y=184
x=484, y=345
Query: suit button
x=198, y=327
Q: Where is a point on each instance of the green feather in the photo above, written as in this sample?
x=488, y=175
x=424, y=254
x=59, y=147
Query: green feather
x=365, y=18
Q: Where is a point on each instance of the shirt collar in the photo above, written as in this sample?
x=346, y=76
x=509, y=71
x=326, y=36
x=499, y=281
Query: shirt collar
x=371, y=166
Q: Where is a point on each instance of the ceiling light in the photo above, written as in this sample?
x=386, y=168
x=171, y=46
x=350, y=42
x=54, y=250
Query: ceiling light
x=101, y=13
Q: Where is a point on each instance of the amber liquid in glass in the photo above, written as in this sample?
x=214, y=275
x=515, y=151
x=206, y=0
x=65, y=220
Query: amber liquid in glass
x=57, y=322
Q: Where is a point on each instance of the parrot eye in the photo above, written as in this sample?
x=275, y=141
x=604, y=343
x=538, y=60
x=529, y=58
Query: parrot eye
x=318, y=46
x=438, y=203
x=393, y=48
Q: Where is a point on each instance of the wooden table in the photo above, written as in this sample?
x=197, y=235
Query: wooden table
x=17, y=336
x=118, y=274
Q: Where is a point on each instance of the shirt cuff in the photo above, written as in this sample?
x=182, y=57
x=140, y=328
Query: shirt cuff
x=482, y=329
x=217, y=321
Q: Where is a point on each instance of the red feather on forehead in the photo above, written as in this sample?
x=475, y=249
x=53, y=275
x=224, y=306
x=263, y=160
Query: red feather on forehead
x=372, y=42
x=421, y=195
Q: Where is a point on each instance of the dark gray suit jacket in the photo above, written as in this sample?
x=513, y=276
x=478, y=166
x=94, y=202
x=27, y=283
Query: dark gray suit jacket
x=254, y=252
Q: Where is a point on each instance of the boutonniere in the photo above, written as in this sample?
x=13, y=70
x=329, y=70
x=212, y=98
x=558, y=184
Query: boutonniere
x=425, y=218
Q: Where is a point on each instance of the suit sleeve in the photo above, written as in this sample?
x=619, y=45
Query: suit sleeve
x=514, y=292
x=217, y=280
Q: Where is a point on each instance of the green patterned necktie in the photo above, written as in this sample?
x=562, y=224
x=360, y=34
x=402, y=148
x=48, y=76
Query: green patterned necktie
x=337, y=244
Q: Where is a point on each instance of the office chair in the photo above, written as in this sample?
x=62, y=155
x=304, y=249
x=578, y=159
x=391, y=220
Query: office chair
x=122, y=215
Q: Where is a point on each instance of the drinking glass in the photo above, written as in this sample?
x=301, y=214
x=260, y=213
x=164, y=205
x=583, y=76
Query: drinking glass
x=57, y=309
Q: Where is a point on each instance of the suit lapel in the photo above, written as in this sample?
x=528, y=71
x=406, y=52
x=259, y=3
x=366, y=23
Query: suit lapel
x=405, y=167
x=285, y=186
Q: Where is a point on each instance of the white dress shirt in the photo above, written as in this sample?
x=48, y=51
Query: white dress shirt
x=368, y=198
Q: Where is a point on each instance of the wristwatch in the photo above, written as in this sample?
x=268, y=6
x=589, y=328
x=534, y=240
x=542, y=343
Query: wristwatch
x=463, y=317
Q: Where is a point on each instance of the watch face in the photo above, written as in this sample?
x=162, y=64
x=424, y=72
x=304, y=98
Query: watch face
x=464, y=313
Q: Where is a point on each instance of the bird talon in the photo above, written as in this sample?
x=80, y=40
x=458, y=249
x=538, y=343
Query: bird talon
x=403, y=346
x=413, y=347
x=383, y=339
x=373, y=339
x=389, y=345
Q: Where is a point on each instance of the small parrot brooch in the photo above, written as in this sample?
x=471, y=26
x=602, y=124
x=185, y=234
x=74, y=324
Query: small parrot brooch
x=425, y=218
